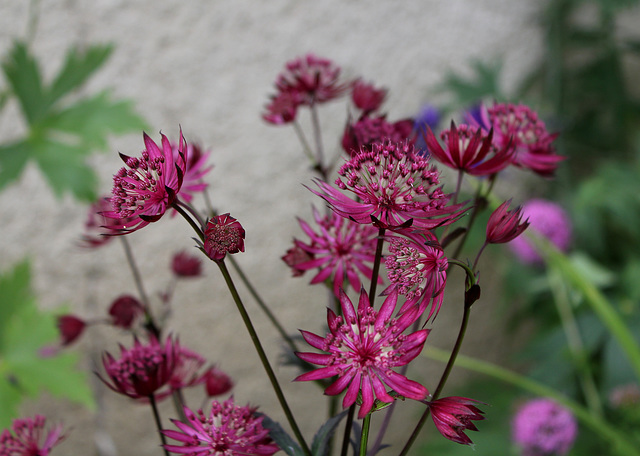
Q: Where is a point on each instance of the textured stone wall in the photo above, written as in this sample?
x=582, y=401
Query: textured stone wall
x=209, y=67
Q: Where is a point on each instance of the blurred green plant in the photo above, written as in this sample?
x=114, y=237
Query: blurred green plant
x=26, y=370
x=62, y=130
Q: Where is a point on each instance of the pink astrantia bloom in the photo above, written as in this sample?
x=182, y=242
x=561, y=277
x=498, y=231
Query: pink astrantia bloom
x=223, y=235
x=547, y=219
x=185, y=265
x=339, y=249
x=366, y=96
x=142, y=370
x=543, y=428
x=313, y=79
x=364, y=347
x=227, y=429
x=417, y=269
x=394, y=186
x=124, y=310
x=368, y=130
x=453, y=415
x=505, y=225
x=70, y=327
x=100, y=229
x=282, y=109
x=217, y=382
x=148, y=185
x=27, y=437
x=196, y=169
x=470, y=150
x=520, y=125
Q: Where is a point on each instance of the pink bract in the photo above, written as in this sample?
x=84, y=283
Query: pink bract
x=367, y=130
x=227, y=429
x=453, y=415
x=505, y=225
x=339, y=249
x=364, y=347
x=27, y=437
x=394, y=187
x=223, y=235
x=148, y=185
x=70, y=327
x=196, y=169
x=366, y=96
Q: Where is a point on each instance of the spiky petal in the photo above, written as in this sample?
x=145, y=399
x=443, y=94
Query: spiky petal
x=505, y=225
x=454, y=415
x=363, y=347
x=27, y=437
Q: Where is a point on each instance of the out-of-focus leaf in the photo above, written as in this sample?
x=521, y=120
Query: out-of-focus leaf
x=23, y=75
x=279, y=435
x=484, y=83
x=13, y=158
x=320, y=444
x=25, y=371
x=77, y=68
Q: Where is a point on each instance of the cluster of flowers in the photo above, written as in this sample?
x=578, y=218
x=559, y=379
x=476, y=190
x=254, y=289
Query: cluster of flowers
x=387, y=206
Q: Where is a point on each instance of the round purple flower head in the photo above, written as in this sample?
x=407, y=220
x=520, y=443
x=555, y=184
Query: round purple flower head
x=543, y=428
x=547, y=219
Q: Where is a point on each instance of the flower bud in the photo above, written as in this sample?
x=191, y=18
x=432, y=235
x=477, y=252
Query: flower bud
x=223, y=235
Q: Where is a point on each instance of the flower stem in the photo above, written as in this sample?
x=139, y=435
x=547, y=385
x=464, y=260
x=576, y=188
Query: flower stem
x=376, y=266
x=317, y=134
x=347, y=430
x=263, y=356
x=156, y=416
x=192, y=222
x=364, y=437
x=445, y=374
x=304, y=142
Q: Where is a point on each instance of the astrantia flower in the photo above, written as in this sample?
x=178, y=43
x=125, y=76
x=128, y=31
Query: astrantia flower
x=124, y=310
x=366, y=96
x=543, y=428
x=142, y=370
x=363, y=349
x=313, y=79
x=520, y=125
x=368, y=130
x=453, y=415
x=549, y=220
x=394, y=187
x=505, y=225
x=223, y=235
x=469, y=150
x=27, y=437
x=217, y=382
x=70, y=327
x=282, y=108
x=417, y=269
x=185, y=265
x=148, y=185
x=339, y=248
x=226, y=430
x=100, y=229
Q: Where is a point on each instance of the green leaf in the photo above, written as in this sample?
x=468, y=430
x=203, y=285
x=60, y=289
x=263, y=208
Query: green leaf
x=282, y=439
x=76, y=70
x=484, y=83
x=23, y=75
x=24, y=332
x=13, y=158
x=320, y=444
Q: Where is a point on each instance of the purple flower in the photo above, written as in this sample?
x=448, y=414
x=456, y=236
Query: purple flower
x=363, y=349
x=543, y=428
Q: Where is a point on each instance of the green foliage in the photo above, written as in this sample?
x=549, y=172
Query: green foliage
x=24, y=332
x=483, y=83
x=62, y=133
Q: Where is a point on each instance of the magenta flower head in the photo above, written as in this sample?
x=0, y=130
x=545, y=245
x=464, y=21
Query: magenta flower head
x=142, y=370
x=227, y=429
x=223, y=235
x=368, y=130
x=417, y=269
x=148, y=185
x=124, y=310
x=543, y=428
x=454, y=415
x=282, y=109
x=196, y=169
x=27, y=437
x=519, y=125
x=185, y=265
x=547, y=219
x=339, y=249
x=70, y=327
x=505, y=225
x=366, y=96
x=470, y=150
x=311, y=79
x=217, y=382
x=393, y=186
x=364, y=347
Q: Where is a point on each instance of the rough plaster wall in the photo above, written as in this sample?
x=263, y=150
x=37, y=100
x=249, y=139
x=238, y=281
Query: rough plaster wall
x=209, y=67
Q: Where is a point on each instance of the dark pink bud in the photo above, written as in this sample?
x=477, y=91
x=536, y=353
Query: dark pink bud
x=505, y=225
x=223, y=235
x=295, y=256
x=366, y=97
x=124, y=310
x=453, y=415
x=185, y=265
x=70, y=327
x=217, y=382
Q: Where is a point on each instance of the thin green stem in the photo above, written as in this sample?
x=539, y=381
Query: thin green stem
x=574, y=341
x=156, y=416
x=178, y=404
x=303, y=140
x=619, y=440
x=364, y=437
x=347, y=430
x=192, y=222
x=376, y=266
x=263, y=356
x=193, y=212
x=317, y=134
